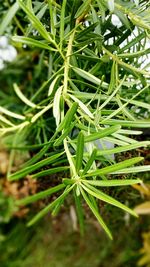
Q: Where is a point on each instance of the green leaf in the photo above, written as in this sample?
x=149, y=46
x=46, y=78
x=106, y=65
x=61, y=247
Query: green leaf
x=29, y=4
x=68, y=117
x=133, y=124
x=25, y=171
x=11, y=114
x=58, y=205
x=90, y=161
x=62, y=21
x=53, y=84
x=82, y=8
x=41, y=8
x=39, y=155
x=109, y=183
x=129, y=132
x=102, y=133
x=135, y=54
x=137, y=169
x=79, y=151
x=49, y=207
x=123, y=148
x=56, y=105
x=138, y=103
x=112, y=77
x=87, y=30
x=36, y=22
x=102, y=196
x=31, y=42
x=89, y=77
x=40, y=195
x=79, y=210
x=8, y=17
x=66, y=132
x=7, y=122
x=23, y=97
x=124, y=138
x=115, y=167
x=97, y=215
x=49, y=171
x=83, y=106
x=134, y=41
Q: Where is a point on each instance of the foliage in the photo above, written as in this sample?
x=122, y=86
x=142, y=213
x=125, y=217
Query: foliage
x=76, y=87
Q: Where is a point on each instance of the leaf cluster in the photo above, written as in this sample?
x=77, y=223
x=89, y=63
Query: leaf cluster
x=82, y=94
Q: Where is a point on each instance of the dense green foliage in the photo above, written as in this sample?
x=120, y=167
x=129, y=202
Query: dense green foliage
x=76, y=97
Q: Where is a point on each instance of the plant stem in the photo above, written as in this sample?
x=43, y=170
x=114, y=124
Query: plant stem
x=67, y=61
